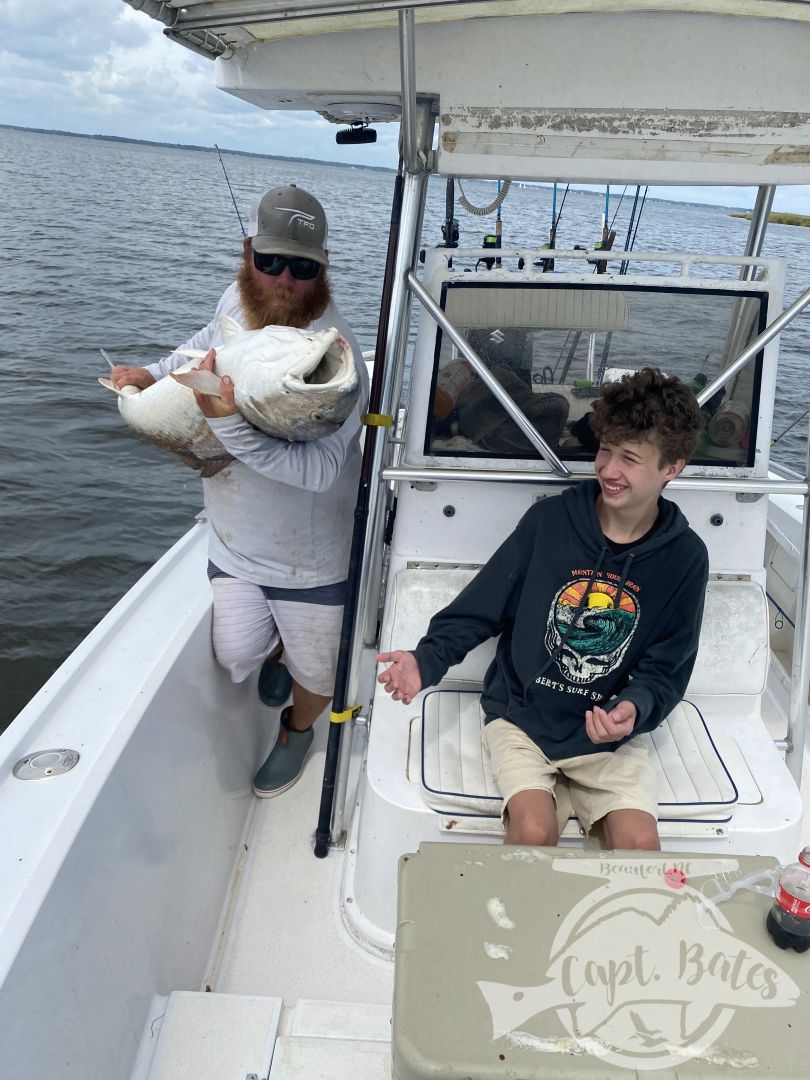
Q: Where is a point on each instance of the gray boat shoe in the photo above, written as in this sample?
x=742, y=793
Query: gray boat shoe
x=275, y=683
x=285, y=763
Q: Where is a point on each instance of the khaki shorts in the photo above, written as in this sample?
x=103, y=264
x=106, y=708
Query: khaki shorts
x=621, y=779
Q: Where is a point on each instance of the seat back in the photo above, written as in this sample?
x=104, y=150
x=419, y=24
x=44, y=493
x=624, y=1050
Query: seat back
x=732, y=654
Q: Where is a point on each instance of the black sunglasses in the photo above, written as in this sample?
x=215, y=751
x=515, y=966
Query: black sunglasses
x=301, y=269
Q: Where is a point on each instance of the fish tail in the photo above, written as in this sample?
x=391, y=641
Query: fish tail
x=125, y=391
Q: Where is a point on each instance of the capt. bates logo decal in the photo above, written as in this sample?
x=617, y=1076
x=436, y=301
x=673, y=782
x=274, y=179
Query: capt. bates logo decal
x=589, y=640
x=644, y=972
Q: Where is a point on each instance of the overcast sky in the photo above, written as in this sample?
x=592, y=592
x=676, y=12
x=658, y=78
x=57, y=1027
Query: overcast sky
x=100, y=68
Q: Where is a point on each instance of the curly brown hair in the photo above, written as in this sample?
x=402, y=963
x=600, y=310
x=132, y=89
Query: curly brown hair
x=649, y=405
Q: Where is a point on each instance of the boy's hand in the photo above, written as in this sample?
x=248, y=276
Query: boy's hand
x=402, y=680
x=215, y=407
x=605, y=727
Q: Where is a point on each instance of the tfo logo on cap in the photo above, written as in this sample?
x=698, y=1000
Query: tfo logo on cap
x=307, y=220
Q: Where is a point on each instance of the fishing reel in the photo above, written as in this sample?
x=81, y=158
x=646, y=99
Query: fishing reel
x=450, y=232
x=489, y=241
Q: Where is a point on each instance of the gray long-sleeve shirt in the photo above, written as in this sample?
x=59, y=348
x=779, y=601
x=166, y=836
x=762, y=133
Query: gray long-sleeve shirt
x=281, y=514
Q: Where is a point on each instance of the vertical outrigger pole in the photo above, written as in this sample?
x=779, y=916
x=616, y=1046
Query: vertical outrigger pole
x=416, y=137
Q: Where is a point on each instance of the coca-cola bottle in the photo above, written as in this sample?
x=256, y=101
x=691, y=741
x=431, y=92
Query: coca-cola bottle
x=788, y=920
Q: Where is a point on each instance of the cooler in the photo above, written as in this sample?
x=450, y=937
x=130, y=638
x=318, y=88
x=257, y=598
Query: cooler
x=524, y=963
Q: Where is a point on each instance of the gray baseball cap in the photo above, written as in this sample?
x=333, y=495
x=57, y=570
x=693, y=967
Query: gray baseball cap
x=289, y=221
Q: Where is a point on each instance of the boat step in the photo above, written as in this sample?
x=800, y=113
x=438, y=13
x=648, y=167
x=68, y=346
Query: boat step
x=341, y=1020
x=215, y=1036
x=298, y=1057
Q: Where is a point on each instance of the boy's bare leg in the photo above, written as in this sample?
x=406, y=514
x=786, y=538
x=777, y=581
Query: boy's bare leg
x=531, y=818
x=306, y=708
x=631, y=830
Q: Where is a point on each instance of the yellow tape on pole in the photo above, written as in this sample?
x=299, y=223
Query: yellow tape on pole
x=372, y=419
x=342, y=717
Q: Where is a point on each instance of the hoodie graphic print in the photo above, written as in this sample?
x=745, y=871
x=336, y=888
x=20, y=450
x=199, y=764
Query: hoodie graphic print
x=577, y=624
x=589, y=628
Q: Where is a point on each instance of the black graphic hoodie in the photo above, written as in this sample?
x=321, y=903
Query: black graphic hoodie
x=579, y=626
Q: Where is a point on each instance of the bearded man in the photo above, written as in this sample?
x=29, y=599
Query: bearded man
x=280, y=516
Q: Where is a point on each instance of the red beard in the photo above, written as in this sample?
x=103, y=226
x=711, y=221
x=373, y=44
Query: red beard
x=280, y=307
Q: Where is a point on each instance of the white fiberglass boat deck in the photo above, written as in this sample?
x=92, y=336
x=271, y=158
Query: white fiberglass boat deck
x=156, y=921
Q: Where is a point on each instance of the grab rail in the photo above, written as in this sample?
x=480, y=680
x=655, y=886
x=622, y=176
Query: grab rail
x=744, y=485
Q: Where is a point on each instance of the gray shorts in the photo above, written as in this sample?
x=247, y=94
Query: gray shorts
x=248, y=626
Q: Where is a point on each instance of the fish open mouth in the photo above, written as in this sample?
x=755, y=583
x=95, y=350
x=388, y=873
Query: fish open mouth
x=333, y=370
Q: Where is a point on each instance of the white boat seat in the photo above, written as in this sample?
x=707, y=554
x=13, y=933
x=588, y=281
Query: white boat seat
x=732, y=654
x=419, y=592
x=693, y=781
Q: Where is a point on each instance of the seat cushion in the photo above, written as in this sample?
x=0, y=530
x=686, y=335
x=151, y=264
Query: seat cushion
x=692, y=780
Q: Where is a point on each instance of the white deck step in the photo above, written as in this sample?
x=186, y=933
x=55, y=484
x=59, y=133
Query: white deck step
x=341, y=1020
x=298, y=1057
x=215, y=1037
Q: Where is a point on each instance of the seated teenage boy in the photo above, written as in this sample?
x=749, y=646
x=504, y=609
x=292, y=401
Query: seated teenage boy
x=597, y=597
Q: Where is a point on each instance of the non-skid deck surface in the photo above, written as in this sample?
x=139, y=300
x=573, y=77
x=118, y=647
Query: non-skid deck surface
x=286, y=937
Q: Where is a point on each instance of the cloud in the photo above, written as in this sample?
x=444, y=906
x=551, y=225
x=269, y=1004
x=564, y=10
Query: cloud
x=100, y=67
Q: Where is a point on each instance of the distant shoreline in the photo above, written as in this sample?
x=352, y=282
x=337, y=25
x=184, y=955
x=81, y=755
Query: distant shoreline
x=778, y=218
x=192, y=146
x=323, y=161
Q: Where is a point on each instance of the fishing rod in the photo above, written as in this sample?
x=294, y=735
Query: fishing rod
x=618, y=207
x=498, y=227
x=556, y=218
x=629, y=243
x=788, y=428
x=227, y=181
x=548, y=264
x=608, y=235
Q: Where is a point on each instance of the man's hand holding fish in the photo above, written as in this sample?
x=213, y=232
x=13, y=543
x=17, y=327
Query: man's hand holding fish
x=131, y=375
x=210, y=405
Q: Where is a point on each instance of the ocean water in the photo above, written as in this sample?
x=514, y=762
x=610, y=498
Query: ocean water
x=127, y=247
